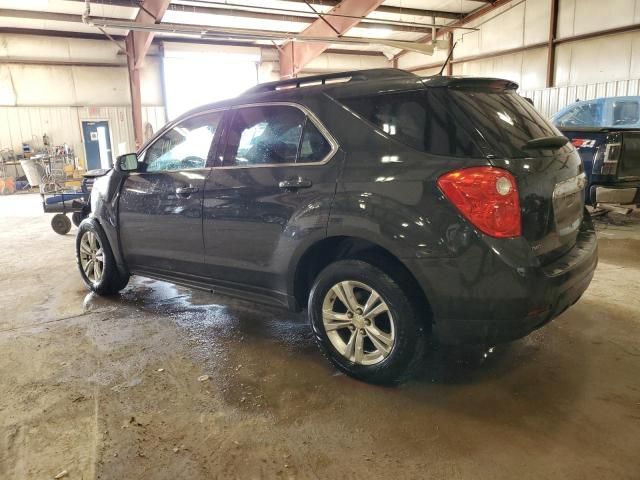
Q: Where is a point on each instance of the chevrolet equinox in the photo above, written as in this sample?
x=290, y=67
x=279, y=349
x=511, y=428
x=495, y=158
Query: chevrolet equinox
x=394, y=208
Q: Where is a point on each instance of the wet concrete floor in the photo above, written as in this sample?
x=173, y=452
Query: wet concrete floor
x=108, y=388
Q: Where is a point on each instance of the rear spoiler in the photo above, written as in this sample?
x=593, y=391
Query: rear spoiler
x=492, y=84
x=471, y=83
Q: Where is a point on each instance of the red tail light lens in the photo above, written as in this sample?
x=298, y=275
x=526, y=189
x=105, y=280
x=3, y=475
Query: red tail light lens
x=487, y=197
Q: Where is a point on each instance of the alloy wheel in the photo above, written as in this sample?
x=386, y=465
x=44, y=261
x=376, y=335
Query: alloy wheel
x=358, y=322
x=92, y=257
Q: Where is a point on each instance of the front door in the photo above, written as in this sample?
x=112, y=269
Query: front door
x=160, y=209
x=97, y=144
x=272, y=190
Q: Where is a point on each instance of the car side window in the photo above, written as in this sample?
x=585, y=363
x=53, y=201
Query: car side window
x=185, y=146
x=626, y=112
x=424, y=120
x=313, y=147
x=264, y=135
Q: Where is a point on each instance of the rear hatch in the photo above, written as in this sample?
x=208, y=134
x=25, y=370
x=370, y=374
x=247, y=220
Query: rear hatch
x=547, y=168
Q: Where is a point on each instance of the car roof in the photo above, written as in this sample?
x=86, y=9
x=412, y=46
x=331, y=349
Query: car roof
x=348, y=84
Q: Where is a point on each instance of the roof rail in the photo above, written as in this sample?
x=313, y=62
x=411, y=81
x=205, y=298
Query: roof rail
x=330, y=78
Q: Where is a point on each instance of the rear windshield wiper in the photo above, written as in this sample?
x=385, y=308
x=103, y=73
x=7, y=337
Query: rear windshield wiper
x=547, y=142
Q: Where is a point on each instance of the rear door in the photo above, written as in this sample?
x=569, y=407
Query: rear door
x=160, y=207
x=270, y=189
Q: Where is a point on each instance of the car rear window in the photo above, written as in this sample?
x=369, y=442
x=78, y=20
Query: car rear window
x=451, y=122
x=626, y=112
x=504, y=120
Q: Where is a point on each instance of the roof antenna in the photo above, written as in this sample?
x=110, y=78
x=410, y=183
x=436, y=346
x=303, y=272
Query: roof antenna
x=448, y=59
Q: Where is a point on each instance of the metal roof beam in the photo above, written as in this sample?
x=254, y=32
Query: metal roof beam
x=298, y=17
x=418, y=12
x=295, y=55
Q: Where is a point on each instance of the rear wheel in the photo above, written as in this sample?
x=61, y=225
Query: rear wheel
x=96, y=262
x=364, y=322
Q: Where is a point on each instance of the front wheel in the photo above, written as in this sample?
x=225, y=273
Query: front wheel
x=365, y=323
x=96, y=262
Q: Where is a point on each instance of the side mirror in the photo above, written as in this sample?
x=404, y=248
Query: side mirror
x=127, y=163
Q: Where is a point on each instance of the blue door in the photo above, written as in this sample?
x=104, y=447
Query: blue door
x=97, y=144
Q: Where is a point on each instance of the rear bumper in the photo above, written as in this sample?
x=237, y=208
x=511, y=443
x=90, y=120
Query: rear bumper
x=495, y=302
x=624, y=195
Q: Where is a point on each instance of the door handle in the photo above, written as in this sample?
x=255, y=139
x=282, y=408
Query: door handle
x=186, y=191
x=295, y=183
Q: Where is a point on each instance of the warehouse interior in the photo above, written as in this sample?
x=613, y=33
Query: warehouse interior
x=165, y=381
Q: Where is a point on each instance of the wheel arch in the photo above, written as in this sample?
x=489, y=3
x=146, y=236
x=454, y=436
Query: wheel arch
x=115, y=251
x=341, y=247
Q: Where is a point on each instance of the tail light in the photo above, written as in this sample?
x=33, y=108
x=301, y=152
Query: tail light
x=487, y=197
x=611, y=155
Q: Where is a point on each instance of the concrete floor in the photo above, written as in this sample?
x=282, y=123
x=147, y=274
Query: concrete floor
x=82, y=391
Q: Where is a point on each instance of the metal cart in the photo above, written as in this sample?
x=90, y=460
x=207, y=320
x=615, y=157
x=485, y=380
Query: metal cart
x=63, y=202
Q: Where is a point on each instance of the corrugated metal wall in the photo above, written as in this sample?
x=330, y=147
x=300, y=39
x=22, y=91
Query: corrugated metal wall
x=524, y=24
x=550, y=100
x=63, y=125
x=55, y=98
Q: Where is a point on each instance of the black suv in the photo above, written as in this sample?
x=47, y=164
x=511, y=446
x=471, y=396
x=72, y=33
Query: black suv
x=394, y=208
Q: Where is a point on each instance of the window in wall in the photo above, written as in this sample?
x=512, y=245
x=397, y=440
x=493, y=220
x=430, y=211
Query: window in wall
x=185, y=146
x=196, y=78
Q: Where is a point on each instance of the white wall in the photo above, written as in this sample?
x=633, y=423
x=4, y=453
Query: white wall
x=524, y=24
x=38, y=98
x=63, y=125
x=335, y=62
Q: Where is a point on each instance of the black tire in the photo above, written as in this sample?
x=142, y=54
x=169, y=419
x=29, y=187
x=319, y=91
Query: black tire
x=61, y=224
x=111, y=281
x=76, y=218
x=410, y=332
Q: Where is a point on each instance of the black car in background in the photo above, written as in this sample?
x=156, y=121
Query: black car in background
x=393, y=208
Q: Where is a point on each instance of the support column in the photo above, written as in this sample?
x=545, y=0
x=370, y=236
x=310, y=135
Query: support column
x=134, y=87
x=137, y=45
x=451, y=53
x=551, y=48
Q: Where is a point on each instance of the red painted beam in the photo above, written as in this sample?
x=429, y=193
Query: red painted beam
x=136, y=96
x=551, y=53
x=295, y=55
x=137, y=44
x=150, y=13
